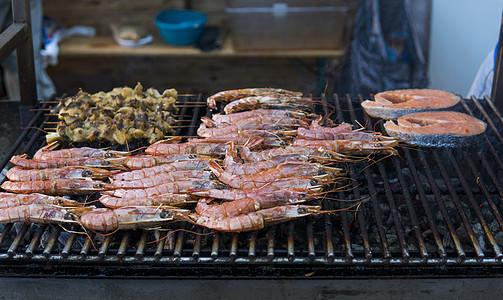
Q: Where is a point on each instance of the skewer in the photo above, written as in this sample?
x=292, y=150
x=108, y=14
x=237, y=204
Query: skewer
x=178, y=106
x=188, y=106
x=166, y=137
x=176, y=116
x=178, y=101
x=57, y=123
x=174, y=127
x=192, y=102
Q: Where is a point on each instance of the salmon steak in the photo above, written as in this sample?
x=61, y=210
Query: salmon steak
x=394, y=104
x=436, y=129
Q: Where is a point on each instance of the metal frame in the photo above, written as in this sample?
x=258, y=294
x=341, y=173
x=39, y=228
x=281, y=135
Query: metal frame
x=18, y=37
x=497, y=88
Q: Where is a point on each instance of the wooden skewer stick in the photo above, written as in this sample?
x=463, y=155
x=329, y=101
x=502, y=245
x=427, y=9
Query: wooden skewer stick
x=187, y=95
x=192, y=102
x=182, y=136
x=185, y=126
x=184, y=120
x=40, y=109
x=188, y=106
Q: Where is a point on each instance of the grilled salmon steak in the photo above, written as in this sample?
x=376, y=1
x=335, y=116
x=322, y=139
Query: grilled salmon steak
x=394, y=104
x=436, y=128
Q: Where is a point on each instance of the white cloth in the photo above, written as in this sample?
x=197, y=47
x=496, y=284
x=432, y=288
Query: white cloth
x=483, y=82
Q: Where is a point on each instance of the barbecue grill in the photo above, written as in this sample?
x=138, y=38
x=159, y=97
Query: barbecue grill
x=425, y=213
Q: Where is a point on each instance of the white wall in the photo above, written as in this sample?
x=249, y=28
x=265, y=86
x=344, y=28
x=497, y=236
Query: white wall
x=462, y=34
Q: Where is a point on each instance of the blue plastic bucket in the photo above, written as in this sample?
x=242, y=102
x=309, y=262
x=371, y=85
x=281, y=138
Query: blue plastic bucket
x=180, y=27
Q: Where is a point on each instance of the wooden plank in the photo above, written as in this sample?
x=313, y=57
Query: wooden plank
x=97, y=8
x=99, y=46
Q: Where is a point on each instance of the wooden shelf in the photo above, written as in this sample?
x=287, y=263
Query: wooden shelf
x=103, y=46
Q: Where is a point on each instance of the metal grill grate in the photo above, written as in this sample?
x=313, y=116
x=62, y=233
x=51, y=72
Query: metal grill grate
x=427, y=212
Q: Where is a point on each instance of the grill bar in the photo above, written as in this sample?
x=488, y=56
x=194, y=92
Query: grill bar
x=441, y=206
x=123, y=245
x=410, y=209
x=372, y=191
x=491, y=125
x=426, y=206
x=356, y=192
x=480, y=182
x=459, y=207
x=35, y=240
x=474, y=204
x=104, y=247
x=52, y=241
x=68, y=245
x=394, y=213
x=15, y=243
x=197, y=244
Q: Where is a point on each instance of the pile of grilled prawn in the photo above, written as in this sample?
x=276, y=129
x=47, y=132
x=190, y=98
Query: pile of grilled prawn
x=257, y=165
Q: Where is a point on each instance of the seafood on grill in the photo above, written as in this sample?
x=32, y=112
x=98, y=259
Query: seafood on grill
x=303, y=104
x=254, y=156
x=250, y=204
x=260, y=114
x=234, y=130
x=196, y=163
x=284, y=170
x=48, y=153
x=106, y=219
x=12, y=199
x=274, y=140
x=21, y=174
x=24, y=162
x=143, y=161
x=161, y=178
x=222, y=132
x=57, y=187
x=231, y=95
x=121, y=115
x=178, y=200
x=42, y=213
x=174, y=187
x=350, y=147
x=233, y=163
x=172, y=146
x=255, y=220
x=341, y=131
x=265, y=122
x=397, y=103
x=436, y=129
x=305, y=185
